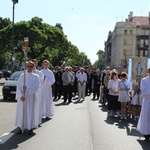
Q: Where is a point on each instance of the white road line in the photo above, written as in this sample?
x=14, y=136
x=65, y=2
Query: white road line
x=5, y=137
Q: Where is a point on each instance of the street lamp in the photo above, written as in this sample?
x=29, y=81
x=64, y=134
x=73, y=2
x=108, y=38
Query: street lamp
x=12, y=51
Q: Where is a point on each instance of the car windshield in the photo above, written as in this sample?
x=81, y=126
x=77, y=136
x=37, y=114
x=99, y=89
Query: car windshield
x=15, y=75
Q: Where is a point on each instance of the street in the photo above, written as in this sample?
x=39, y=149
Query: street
x=76, y=126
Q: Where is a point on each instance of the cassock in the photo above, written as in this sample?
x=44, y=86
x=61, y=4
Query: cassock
x=144, y=121
x=30, y=103
x=46, y=90
x=41, y=77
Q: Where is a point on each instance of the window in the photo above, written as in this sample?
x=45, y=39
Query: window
x=131, y=32
x=125, y=32
x=146, y=53
x=125, y=42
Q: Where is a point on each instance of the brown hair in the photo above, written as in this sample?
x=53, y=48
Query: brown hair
x=113, y=73
x=123, y=74
x=46, y=61
x=31, y=63
x=34, y=60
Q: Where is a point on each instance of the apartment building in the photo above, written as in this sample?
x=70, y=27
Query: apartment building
x=129, y=38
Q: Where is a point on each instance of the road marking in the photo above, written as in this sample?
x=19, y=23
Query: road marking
x=5, y=137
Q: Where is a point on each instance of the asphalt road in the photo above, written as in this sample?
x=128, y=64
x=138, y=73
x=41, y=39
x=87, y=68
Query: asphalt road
x=76, y=126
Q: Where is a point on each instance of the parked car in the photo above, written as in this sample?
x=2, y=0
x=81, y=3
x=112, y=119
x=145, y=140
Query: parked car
x=6, y=73
x=9, y=88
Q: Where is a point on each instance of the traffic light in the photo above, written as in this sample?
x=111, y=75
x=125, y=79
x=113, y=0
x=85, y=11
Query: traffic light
x=15, y=1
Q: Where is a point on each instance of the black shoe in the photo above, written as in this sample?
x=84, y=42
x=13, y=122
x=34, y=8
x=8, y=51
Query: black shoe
x=19, y=131
x=147, y=140
x=69, y=101
x=30, y=132
x=47, y=118
x=55, y=99
x=93, y=98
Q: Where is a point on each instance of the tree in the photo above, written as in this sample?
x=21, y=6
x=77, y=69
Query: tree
x=4, y=22
x=5, y=56
x=100, y=62
x=45, y=42
x=58, y=25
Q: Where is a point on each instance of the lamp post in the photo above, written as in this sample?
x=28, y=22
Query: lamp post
x=13, y=18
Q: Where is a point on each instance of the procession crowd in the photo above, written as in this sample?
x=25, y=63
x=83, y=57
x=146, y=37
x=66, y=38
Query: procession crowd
x=36, y=91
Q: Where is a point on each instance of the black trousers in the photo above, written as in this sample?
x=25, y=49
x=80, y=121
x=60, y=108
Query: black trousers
x=75, y=87
x=58, y=90
x=68, y=92
x=96, y=90
x=90, y=86
x=113, y=103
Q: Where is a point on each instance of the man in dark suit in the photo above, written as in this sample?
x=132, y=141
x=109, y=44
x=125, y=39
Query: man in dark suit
x=96, y=90
x=58, y=83
x=87, y=83
x=75, y=88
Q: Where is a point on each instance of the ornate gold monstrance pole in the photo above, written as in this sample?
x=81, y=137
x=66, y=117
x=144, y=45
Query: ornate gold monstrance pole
x=25, y=49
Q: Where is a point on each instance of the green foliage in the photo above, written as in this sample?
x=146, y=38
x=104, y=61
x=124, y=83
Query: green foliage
x=45, y=42
x=100, y=62
x=4, y=22
x=4, y=57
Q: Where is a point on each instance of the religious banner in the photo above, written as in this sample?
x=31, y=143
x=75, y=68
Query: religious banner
x=139, y=67
x=148, y=62
x=129, y=71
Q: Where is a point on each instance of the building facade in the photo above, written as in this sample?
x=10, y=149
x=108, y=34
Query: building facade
x=129, y=38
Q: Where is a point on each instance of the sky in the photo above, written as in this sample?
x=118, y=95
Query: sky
x=85, y=22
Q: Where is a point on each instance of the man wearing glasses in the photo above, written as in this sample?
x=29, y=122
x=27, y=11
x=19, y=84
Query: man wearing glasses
x=26, y=96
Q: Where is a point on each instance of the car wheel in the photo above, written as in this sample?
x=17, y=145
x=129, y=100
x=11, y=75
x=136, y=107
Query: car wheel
x=5, y=97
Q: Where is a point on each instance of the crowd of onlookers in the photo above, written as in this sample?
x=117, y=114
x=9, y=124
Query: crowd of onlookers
x=108, y=86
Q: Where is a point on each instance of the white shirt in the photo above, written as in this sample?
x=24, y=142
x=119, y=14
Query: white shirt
x=77, y=74
x=113, y=84
x=49, y=78
x=69, y=77
x=82, y=77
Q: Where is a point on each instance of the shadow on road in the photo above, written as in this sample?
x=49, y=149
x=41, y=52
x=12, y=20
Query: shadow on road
x=61, y=104
x=15, y=140
x=144, y=145
x=8, y=101
x=129, y=125
x=103, y=108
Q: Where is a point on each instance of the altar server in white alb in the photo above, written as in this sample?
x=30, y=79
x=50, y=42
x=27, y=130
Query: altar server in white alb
x=46, y=89
x=29, y=101
x=144, y=120
x=82, y=79
x=41, y=77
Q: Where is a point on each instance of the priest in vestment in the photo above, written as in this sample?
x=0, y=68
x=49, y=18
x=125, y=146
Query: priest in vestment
x=29, y=100
x=46, y=89
x=41, y=77
x=144, y=121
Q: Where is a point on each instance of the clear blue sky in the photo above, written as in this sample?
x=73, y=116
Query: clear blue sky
x=85, y=22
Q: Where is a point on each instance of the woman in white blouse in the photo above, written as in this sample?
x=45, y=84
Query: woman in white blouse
x=113, y=103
